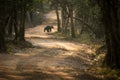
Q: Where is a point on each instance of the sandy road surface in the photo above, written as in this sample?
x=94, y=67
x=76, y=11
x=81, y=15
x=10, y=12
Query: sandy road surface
x=49, y=59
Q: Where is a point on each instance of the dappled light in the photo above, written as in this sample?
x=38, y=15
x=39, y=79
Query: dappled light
x=51, y=57
x=59, y=40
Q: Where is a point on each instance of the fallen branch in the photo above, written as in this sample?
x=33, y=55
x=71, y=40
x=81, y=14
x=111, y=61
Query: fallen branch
x=84, y=23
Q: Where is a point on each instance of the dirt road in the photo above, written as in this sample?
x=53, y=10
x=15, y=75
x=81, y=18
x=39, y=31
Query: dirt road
x=49, y=59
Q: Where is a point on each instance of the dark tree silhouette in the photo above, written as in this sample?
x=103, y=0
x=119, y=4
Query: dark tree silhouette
x=110, y=12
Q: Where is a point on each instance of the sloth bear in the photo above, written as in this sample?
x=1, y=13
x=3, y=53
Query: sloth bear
x=48, y=28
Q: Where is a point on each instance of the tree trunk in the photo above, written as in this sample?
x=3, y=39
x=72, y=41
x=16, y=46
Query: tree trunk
x=2, y=35
x=72, y=22
x=58, y=19
x=15, y=25
x=63, y=20
x=112, y=30
x=10, y=30
x=22, y=21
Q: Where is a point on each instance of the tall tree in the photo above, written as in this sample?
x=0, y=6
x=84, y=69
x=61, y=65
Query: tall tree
x=12, y=16
x=72, y=20
x=22, y=20
x=3, y=17
x=55, y=4
x=110, y=12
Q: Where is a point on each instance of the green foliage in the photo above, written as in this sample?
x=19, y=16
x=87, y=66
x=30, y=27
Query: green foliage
x=13, y=16
x=109, y=74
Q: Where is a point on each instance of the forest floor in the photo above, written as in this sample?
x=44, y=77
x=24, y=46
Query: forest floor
x=50, y=58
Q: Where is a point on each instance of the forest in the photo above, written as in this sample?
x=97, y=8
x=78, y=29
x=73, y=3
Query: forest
x=59, y=39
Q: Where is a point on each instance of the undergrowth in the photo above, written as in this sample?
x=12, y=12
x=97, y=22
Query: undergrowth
x=97, y=69
x=84, y=38
x=14, y=46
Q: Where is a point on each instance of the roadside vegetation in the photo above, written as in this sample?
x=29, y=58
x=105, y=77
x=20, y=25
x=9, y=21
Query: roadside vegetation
x=94, y=23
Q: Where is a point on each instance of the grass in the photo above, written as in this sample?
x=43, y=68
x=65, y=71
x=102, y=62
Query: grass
x=108, y=74
x=13, y=46
x=84, y=38
x=100, y=71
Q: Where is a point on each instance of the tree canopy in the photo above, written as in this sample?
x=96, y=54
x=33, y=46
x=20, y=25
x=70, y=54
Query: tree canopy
x=96, y=18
